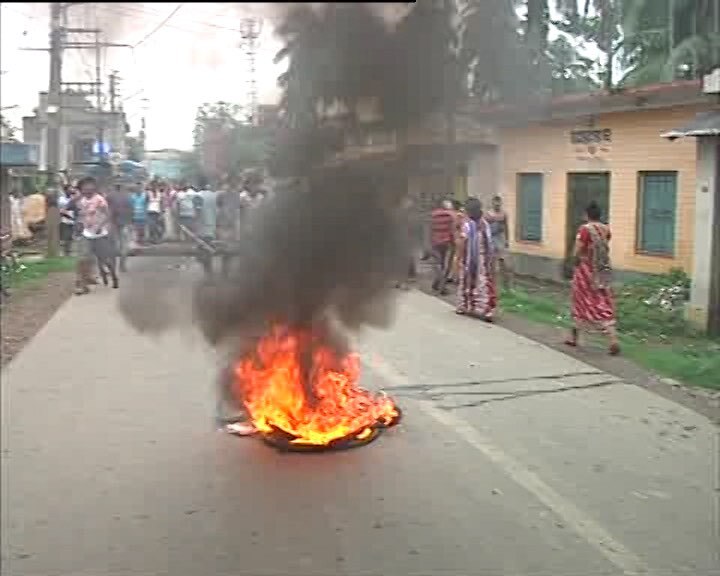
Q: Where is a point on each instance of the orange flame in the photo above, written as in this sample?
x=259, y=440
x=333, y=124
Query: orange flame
x=270, y=382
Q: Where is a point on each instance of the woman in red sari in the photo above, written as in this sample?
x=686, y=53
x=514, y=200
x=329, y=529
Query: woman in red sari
x=592, y=300
x=476, y=291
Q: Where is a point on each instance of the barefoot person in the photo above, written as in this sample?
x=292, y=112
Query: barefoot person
x=500, y=229
x=477, y=295
x=592, y=300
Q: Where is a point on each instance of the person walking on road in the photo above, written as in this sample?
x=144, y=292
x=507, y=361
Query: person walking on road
x=442, y=222
x=453, y=266
x=477, y=295
x=139, y=199
x=206, y=206
x=592, y=301
x=121, y=210
x=96, y=242
x=500, y=229
x=185, y=206
x=67, y=218
x=154, y=214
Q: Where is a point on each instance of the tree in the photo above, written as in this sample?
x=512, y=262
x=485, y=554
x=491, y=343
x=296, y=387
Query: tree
x=569, y=72
x=7, y=130
x=224, y=144
x=494, y=52
x=136, y=149
x=674, y=39
x=596, y=22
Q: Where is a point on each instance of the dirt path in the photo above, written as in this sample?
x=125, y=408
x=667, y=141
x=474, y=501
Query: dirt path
x=28, y=309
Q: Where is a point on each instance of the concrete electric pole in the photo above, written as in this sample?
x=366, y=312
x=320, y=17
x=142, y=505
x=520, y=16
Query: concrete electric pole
x=113, y=81
x=54, y=129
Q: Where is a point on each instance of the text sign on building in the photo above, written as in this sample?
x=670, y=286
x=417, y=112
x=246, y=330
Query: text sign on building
x=590, y=144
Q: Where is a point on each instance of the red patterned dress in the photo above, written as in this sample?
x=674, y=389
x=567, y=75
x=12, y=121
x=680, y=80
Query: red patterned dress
x=592, y=300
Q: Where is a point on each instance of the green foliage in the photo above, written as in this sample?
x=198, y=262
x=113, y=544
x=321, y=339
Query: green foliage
x=246, y=145
x=654, y=306
x=569, y=71
x=7, y=130
x=653, y=331
x=136, y=149
x=16, y=272
x=662, y=45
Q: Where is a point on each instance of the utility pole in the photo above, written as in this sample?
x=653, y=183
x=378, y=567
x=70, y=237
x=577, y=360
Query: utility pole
x=250, y=29
x=54, y=116
x=98, y=98
x=53, y=142
x=113, y=83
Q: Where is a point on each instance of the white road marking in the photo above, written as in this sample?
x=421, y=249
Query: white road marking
x=583, y=525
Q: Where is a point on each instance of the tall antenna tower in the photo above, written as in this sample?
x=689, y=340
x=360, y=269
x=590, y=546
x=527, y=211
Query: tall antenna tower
x=250, y=29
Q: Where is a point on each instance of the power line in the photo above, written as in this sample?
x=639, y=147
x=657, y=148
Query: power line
x=165, y=21
x=133, y=10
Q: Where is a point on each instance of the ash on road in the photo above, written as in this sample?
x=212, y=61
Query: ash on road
x=512, y=459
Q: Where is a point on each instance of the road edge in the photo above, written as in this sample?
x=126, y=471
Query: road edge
x=696, y=399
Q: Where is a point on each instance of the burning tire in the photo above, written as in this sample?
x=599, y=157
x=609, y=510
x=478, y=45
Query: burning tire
x=303, y=396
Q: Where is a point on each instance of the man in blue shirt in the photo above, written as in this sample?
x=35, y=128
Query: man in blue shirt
x=139, y=199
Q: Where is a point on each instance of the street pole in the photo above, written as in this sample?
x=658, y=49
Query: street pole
x=54, y=116
x=98, y=96
x=113, y=91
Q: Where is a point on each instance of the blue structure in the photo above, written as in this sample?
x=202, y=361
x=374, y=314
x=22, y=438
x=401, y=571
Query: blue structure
x=18, y=154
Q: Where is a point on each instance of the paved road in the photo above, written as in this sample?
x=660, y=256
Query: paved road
x=512, y=459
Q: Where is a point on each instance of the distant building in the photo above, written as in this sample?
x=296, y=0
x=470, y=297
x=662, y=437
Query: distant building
x=79, y=137
x=167, y=164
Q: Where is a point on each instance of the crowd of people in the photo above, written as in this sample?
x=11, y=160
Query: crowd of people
x=469, y=245
x=470, y=249
x=100, y=224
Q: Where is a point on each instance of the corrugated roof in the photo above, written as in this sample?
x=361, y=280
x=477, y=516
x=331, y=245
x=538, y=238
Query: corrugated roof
x=704, y=124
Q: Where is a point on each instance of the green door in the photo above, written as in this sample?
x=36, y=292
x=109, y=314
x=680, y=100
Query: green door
x=583, y=188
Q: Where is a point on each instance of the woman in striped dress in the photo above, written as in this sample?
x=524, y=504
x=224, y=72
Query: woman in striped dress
x=477, y=295
x=592, y=301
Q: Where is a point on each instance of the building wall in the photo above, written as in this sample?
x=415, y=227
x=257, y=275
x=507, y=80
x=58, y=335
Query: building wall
x=636, y=145
x=80, y=122
x=483, y=174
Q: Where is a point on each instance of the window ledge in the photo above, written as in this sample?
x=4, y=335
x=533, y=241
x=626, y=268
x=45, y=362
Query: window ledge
x=663, y=255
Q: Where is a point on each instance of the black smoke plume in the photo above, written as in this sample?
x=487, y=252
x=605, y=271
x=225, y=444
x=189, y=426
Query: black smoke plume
x=324, y=256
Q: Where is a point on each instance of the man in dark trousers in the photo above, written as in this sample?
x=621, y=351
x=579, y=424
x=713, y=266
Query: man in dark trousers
x=442, y=222
x=120, y=219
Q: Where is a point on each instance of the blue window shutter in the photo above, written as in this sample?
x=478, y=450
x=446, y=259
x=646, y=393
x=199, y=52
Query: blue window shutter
x=658, y=212
x=529, y=204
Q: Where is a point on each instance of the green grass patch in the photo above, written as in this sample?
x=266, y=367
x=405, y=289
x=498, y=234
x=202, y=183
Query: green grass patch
x=26, y=272
x=653, y=330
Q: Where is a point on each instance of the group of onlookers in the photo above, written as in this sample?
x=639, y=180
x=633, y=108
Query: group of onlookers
x=104, y=223
x=470, y=248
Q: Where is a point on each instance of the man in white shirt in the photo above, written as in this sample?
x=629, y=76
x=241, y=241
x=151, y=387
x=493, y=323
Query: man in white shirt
x=94, y=218
x=185, y=207
x=154, y=210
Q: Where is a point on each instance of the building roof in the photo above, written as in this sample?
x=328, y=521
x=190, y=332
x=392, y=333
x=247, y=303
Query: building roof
x=704, y=124
x=653, y=96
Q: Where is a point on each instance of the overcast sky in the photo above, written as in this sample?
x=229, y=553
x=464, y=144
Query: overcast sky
x=177, y=63
x=193, y=58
